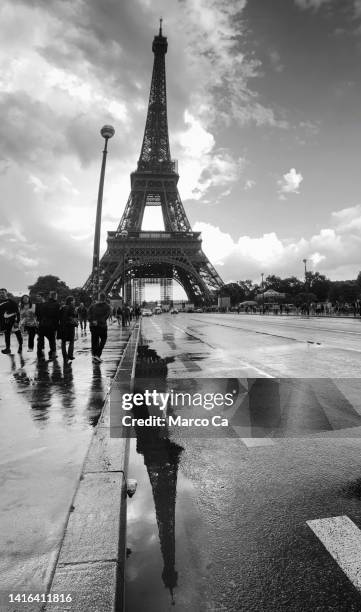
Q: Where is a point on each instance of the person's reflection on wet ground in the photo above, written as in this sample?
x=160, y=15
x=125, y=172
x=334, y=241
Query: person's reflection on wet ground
x=96, y=396
x=19, y=373
x=45, y=387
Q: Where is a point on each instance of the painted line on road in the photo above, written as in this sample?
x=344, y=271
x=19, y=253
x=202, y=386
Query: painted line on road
x=244, y=364
x=290, y=324
x=257, y=442
x=342, y=539
x=262, y=333
x=313, y=342
x=193, y=336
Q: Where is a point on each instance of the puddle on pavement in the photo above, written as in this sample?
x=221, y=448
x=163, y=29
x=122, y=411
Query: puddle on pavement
x=165, y=568
x=166, y=562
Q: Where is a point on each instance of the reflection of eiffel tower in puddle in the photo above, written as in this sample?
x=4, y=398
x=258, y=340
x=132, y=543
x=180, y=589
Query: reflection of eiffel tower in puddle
x=161, y=458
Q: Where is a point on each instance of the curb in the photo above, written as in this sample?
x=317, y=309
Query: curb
x=90, y=564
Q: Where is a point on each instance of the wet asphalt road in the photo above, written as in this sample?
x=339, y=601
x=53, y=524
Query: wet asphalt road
x=48, y=412
x=255, y=345
x=222, y=524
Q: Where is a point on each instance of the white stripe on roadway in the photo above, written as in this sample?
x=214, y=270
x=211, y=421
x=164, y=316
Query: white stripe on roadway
x=342, y=539
x=253, y=442
x=249, y=365
x=290, y=323
x=244, y=364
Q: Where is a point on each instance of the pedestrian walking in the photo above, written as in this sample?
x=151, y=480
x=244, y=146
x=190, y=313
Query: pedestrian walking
x=68, y=322
x=98, y=315
x=126, y=315
x=119, y=316
x=48, y=315
x=10, y=317
x=82, y=313
x=28, y=320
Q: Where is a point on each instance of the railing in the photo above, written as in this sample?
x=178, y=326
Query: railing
x=161, y=167
x=153, y=235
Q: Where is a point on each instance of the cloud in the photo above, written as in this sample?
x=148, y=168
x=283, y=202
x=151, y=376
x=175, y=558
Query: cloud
x=311, y=4
x=275, y=60
x=334, y=251
x=348, y=219
x=249, y=184
x=357, y=8
x=289, y=183
x=316, y=4
x=203, y=166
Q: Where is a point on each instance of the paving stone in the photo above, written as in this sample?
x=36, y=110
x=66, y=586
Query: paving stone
x=93, y=529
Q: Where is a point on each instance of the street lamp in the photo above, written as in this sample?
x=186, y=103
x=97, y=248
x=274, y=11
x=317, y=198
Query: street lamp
x=262, y=274
x=107, y=132
x=307, y=298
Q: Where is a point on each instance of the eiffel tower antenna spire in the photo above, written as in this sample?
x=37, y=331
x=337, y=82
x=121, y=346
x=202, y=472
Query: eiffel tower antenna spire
x=160, y=26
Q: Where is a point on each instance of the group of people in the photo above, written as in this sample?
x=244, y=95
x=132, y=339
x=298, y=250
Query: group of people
x=125, y=314
x=50, y=320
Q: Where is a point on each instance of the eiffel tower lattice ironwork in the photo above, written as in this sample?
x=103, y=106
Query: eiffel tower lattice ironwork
x=177, y=251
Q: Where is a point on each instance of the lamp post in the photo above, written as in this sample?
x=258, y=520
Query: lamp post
x=262, y=274
x=307, y=303
x=107, y=132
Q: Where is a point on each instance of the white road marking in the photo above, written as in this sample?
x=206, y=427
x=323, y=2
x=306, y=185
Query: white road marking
x=244, y=364
x=292, y=324
x=264, y=374
x=342, y=539
x=249, y=440
x=255, y=442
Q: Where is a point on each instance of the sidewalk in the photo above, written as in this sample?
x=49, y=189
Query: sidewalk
x=48, y=414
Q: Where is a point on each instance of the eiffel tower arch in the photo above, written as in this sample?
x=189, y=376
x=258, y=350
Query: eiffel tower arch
x=177, y=251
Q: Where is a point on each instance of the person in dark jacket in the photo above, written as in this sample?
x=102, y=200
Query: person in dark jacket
x=98, y=315
x=10, y=317
x=82, y=313
x=48, y=314
x=68, y=322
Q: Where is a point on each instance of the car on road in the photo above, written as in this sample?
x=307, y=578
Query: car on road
x=174, y=311
x=198, y=310
x=146, y=312
x=158, y=310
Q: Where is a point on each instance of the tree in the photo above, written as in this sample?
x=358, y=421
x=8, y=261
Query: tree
x=358, y=281
x=319, y=285
x=344, y=291
x=47, y=283
x=234, y=291
x=81, y=296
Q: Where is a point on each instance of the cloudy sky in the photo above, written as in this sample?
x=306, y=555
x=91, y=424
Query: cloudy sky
x=264, y=118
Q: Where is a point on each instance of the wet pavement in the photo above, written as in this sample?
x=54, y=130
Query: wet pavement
x=224, y=524
x=48, y=413
x=253, y=345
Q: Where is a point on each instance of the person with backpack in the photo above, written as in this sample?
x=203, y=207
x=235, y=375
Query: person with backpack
x=68, y=322
x=82, y=313
x=48, y=314
x=98, y=315
x=28, y=320
x=10, y=317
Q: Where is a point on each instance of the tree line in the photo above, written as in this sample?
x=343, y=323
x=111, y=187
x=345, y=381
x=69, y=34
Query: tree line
x=316, y=288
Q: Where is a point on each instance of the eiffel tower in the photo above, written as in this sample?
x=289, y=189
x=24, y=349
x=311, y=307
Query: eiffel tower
x=177, y=251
